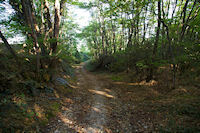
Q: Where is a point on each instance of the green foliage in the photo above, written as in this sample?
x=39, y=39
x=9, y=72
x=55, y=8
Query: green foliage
x=190, y=110
x=91, y=65
x=141, y=64
x=122, y=36
x=116, y=78
x=119, y=63
x=84, y=56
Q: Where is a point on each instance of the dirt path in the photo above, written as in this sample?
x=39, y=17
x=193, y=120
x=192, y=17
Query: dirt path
x=95, y=107
x=95, y=118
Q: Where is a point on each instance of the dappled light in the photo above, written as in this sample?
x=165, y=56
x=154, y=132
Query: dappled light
x=56, y=94
x=99, y=66
x=101, y=93
x=65, y=120
x=68, y=100
x=142, y=83
x=78, y=127
x=107, y=90
x=39, y=111
x=96, y=109
x=19, y=100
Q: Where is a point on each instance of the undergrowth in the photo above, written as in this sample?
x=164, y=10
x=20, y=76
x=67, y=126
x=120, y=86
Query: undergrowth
x=173, y=110
x=28, y=100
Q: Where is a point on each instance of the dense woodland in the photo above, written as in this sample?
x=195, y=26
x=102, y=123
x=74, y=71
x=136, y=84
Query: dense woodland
x=145, y=35
x=151, y=41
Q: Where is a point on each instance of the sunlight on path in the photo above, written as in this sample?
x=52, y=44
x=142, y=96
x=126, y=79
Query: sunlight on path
x=97, y=114
x=94, y=121
x=102, y=93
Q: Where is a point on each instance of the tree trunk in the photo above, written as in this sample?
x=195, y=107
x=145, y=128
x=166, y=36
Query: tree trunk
x=150, y=76
x=105, y=36
x=102, y=36
x=171, y=56
x=113, y=36
x=185, y=21
x=56, y=26
x=130, y=36
x=13, y=53
x=29, y=18
x=47, y=14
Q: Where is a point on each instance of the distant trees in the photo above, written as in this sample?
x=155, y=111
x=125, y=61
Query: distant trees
x=151, y=33
x=138, y=35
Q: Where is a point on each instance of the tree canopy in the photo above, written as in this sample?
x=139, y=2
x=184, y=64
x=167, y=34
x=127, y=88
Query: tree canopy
x=149, y=41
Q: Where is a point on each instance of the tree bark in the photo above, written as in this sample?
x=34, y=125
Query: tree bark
x=113, y=36
x=56, y=26
x=150, y=76
x=105, y=36
x=171, y=54
x=13, y=53
x=26, y=4
x=185, y=22
x=130, y=36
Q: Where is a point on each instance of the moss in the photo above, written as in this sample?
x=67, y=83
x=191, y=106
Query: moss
x=116, y=78
x=55, y=106
x=44, y=122
x=49, y=114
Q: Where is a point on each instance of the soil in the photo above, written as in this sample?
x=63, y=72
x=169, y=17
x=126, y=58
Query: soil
x=97, y=106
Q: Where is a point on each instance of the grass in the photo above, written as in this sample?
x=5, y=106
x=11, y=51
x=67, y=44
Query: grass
x=90, y=65
x=116, y=78
x=55, y=107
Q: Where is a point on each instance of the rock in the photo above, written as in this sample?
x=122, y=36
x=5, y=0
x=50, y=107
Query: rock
x=62, y=81
x=53, y=98
x=49, y=89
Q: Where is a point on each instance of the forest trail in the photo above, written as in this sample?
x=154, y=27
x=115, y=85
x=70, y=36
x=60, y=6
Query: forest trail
x=96, y=117
x=94, y=108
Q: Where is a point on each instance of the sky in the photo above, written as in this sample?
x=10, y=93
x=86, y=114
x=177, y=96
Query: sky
x=4, y=16
x=80, y=16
